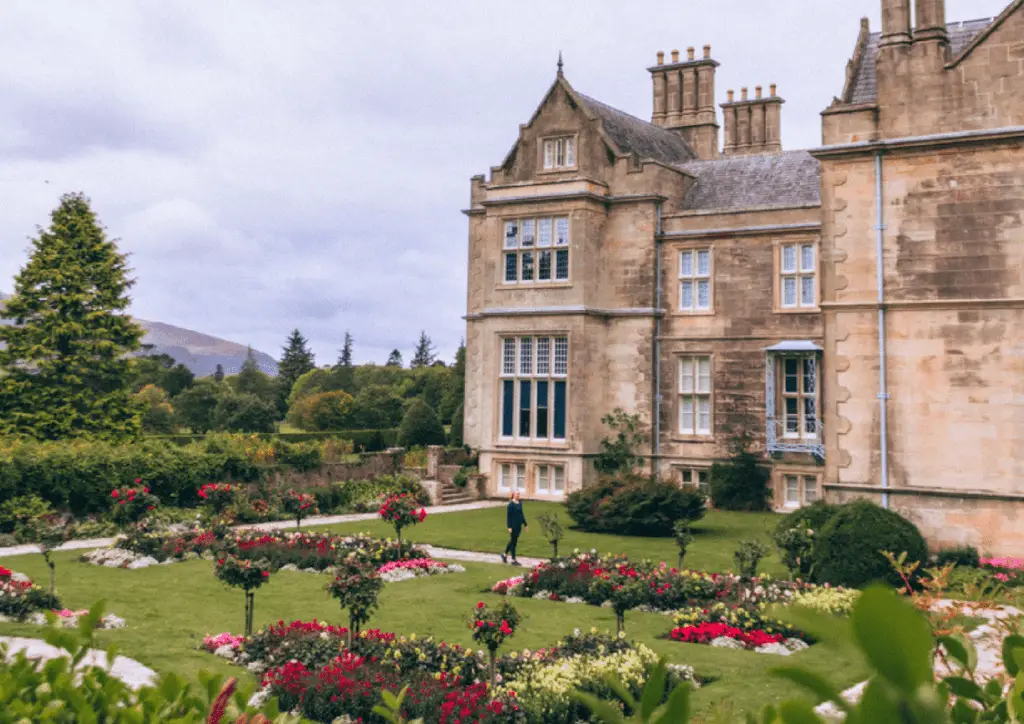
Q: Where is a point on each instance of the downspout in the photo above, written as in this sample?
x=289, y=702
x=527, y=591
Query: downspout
x=883, y=394
x=656, y=346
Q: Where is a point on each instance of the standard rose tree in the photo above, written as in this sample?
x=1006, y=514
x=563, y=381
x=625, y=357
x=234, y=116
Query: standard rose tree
x=400, y=510
x=491, y=627
x=356, y=586
x=247, y=575
x=299, y=506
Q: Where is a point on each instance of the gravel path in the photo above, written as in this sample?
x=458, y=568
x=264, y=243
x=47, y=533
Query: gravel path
x=127, y=670
x=276, y=525
x=475, y=557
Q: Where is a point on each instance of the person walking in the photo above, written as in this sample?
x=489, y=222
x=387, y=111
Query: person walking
x=515, y=521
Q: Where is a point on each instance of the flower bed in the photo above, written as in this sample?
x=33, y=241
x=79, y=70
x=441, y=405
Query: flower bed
x=737, y=626
x=66, y=618
x=308, y=667
x=404, y=570
x=1005, y=569
x=20, y=598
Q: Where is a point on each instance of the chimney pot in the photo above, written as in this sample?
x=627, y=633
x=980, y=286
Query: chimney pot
x=743, y=94
x=772, y=89
x=661, y=57
x=732, y=96
x=757, y=91
x=690, y=53
x=707, y=52
x=675, y=56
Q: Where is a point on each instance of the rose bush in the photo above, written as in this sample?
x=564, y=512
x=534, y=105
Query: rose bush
x=132, y=505
x=299, y=506
x=399, y=509
x=356, y=586
x=219, y=497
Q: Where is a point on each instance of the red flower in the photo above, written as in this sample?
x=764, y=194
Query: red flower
x=480, y=604
x=146, y=491
x=138, y=480
x=151, y=507
x=121, y=502
x=266, y=575
x=114, y=493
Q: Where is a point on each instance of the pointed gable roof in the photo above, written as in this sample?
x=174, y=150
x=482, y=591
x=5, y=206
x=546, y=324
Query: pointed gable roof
x=625, y=133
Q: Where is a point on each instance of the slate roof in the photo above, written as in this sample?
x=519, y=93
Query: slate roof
x=633, y=135
x=792, y=178
x=865, y=89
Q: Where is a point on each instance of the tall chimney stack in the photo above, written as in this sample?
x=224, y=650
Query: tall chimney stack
x=753, y=126
x=684, y=99
x=895, y=23
x=930, y=21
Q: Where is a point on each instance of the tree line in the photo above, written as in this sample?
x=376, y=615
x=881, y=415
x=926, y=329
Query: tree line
x=72, y=365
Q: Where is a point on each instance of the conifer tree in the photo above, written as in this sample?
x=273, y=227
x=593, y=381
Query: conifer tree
x=394, y=359
x=425, y=354
x=65, y=371
x=218, y=374
x=455, y=390
x=296, y=361
x=345, y=358
x=345, y=377
x=251, y=380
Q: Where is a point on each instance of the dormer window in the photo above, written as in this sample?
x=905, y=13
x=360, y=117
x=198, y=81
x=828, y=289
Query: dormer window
x=559, y=153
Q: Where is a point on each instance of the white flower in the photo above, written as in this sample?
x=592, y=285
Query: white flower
x=575, y=632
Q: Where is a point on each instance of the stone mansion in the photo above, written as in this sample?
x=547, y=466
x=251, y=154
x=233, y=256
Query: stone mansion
x=856, y=309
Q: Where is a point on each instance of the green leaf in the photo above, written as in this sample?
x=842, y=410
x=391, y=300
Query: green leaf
x=798, y=712
x=961, y=650
x=895, y=638
x=965, y=688
x=1009, y=644
x=822, y=689
x=653, y=691
x=677, y=709
x=602, y=711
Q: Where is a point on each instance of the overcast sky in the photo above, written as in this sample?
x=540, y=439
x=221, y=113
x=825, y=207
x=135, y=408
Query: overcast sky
x=304, y=164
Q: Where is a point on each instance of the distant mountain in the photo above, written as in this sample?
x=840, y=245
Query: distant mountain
x=200, y=352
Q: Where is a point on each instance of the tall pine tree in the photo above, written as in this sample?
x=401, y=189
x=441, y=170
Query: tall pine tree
x=344, y=372
x=218, y=374
x=455, y=391
x=65, y=372
x=394, y=359
x=424, y=355
x=296, y=361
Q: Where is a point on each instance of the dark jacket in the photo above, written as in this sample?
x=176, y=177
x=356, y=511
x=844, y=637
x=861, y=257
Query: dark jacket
x=514, y=517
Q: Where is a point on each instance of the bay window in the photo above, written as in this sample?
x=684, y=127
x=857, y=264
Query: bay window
x=534, y=375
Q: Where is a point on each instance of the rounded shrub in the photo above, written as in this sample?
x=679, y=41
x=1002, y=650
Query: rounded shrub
x=420, y=426
x=848, y=549
x=813, y=516
x=741, y=483
x=632, y=504
x=963, y=556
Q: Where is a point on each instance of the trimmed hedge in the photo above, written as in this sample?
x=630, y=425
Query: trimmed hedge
x=369, y=440
x=847, y=551
x=633, y=504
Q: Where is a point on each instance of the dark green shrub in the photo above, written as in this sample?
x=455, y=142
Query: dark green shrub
x=633, y=504
x=848, y=548
x=813, y=516
x=299, y=455
x=420, y=426
x=245, y=412
x=741, y=483
x=795, y=534
x=19, y=511
x=963, y=556
x=455, y=436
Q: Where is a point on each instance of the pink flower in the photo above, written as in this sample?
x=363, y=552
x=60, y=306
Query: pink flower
x=480, y=604
x=114, y=493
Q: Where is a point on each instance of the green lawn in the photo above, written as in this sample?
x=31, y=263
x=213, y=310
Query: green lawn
x=717, y=536
x=170, y=608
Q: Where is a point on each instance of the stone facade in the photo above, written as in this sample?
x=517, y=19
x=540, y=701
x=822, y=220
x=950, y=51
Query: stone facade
x=724, y=291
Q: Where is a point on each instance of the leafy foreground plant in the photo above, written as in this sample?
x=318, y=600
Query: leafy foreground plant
x=896, y=641
x=66, y=691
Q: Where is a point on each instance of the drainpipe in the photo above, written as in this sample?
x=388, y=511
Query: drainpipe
x=883, y=394
x=656, y=346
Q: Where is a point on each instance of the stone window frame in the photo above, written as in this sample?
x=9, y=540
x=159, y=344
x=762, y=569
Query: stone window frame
x=534, y=248
x=518, y=375
x=678, y=251
x=800, y=395
x=694, y=470
x=499, y=477
x=677, y=431
x=778, y=274
x=551, y=468
x=803, y=476
x=554, y=138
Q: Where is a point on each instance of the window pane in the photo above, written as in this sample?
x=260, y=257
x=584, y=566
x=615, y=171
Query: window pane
x=543, y=355
x=562, y=231
x=508, y=356
x=703, y=294
x=684, y=475
x=526, y=356
x=792, y=416
x=520, y=477
x=527, y=238
x=561, y=356
x=527, y=270
x=511, y=267
x=686, y=264
x=704, y=415
x=686, y=295
x=559, y=479
x=686, y=415
x=704, y=374
x=686, y=375
x=810, y=376
x=542, y=478
x=789, y=292
x=702, y=479
x=810, y=416
x=789, y=258
x=508, y=406
x=562, y=264
x=792, y=490
x=807, y=258
x=505, y=477
x=559, y=422
x=703, y=263
x=570, y=152
x=542, y=408
x=525, y=403
x=549, y=154
x=791, y=384
x=810, y=489
x=511, y=234
x=544, y=232
x=559, y=153
x=807, y=291
x=544, y=266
